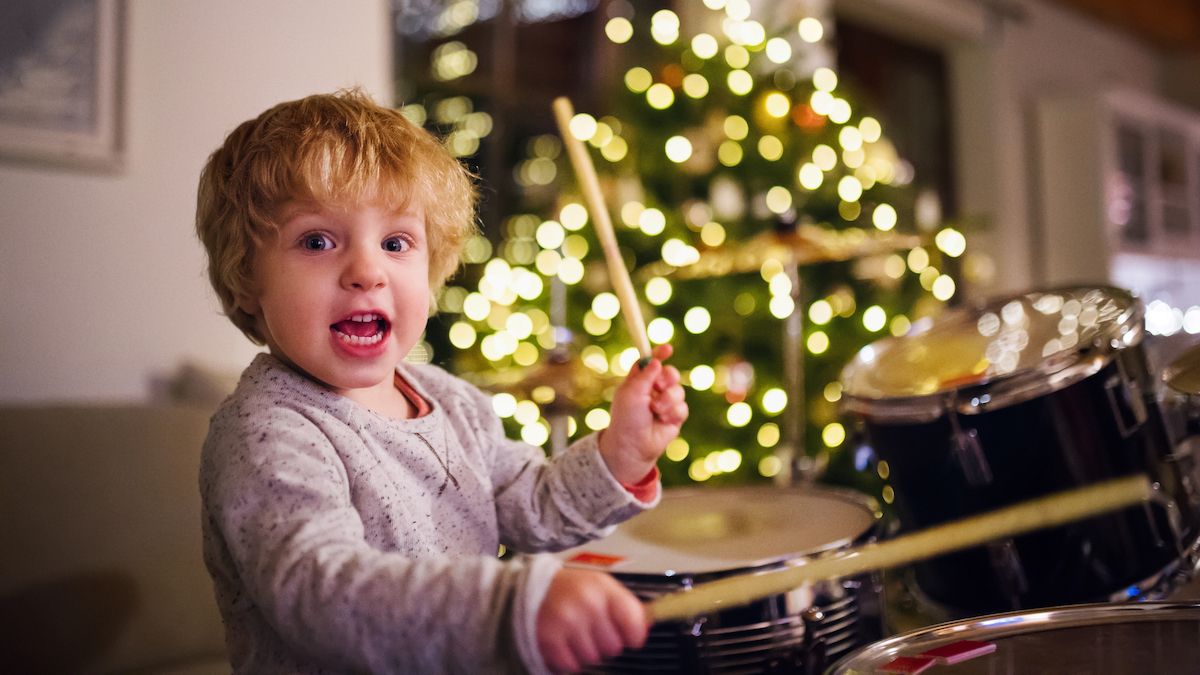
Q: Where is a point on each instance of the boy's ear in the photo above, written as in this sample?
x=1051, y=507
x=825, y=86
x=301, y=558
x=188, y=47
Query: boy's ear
x=248, y=303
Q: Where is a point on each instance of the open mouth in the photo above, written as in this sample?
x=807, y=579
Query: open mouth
x=361, y=330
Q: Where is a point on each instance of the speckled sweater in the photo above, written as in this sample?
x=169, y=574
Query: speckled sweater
x=340, y=540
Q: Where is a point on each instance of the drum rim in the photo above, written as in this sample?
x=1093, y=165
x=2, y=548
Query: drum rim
x=1008, y=624
x=1052, y=374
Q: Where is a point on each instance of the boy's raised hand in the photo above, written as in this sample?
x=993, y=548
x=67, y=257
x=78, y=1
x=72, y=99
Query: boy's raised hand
x=587, y=617
x=647, y=411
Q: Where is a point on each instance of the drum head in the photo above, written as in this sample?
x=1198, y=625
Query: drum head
x=696, y=531
x=1115, y=639
x=1028, y=337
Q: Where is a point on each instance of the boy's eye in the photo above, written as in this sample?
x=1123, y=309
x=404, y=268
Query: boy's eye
x=395, y=244
x=316, y=242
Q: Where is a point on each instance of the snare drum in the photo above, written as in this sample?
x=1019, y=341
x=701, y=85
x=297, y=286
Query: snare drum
x=1026, y=396
x=1114, y=639
x=696, y=535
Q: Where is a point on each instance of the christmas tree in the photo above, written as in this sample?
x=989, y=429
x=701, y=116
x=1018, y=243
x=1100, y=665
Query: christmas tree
x=761, y=215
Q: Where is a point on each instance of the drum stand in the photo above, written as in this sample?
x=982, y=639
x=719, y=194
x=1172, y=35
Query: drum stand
x=797, y=467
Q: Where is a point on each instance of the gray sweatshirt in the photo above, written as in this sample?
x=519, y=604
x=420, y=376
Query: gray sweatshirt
x=340, y=540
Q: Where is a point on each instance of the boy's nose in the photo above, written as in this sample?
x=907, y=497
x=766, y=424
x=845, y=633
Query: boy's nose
x=363, y=272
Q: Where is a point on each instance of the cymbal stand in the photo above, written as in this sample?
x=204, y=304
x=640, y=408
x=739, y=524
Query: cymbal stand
x=797, y=465
x=556, y=413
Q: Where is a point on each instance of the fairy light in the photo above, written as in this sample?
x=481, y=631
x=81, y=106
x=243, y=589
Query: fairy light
x=570, y=271
x=894, y=266
x=526, y=354
x=781, y=306
x=712, y=234
x=415, y=113
x=832, y=392
x=820, y=102
x=697, y=320
x=870, y=128
x=615, y=150
x=664, y=27
x=729, y=153
x=619, y=30
x=874, y=318
x=462, y=335
x=820, y=312
x=849, y=189
x=519, y=325
x=918, y=260
x=573, y=216
x=679, y=253
x=660, y=96
x=839, y=111
x=818, y=342
x=740, y=82
x=779, y=199
x=928, y=277
x=833, y=435
x=779, y=50
x=737, y=57
x=606, y=305
x=547, y=263
x=705, y=46
x=900, y=325
x=658, y=291
x=702, y=378
x=526, y=412
x=739, y=414
x=695, y=85
x=595, y=325
x=452, y=61
x=768, y=435
x=824, y=157
x=550, y=234
x=652, y=221
x=638, y=79
x=774, y=400
x=504, y=404
x=678, y=149
x=811, y=30
x=476, y=306
x=884, y=217
x=594, y=358
x=824, y=79
x=660, y=330
x=677, y=450
x=770, y=466
x=943, y=287
x=777, y=104
x=698, y=472
x=603, y=136
x=951, y=242
x=582, y=126
x=770, y=147
x=810, y=176
x=597, y=419
x=728, y=460
x=850, y=138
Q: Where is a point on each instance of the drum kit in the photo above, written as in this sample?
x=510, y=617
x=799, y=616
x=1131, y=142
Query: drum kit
x=1045, y=482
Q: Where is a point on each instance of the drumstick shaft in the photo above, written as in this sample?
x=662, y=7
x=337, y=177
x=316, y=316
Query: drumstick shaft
x=581, y=161
x=1032, y=515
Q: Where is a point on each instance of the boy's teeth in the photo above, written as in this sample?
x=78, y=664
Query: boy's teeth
x=357, y=340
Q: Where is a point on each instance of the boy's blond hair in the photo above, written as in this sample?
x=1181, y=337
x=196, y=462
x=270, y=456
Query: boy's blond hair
x=331, y=149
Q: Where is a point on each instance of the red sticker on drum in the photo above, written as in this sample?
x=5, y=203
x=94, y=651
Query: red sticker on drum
x=595, y=559
x=911, y=665
x=957, y=652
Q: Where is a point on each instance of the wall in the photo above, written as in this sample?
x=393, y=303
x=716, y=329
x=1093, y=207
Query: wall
x=102, y=279
x=1003, y=57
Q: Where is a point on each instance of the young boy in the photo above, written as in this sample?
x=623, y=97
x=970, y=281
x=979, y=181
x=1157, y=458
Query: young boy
x=354, y=504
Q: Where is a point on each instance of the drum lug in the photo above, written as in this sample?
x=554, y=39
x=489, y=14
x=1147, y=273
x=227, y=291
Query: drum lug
x=971, y=459
x=1130, y=410
x=1006, y=562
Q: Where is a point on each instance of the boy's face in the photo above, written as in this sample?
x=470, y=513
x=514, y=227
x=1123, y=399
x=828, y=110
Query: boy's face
x=343, y=293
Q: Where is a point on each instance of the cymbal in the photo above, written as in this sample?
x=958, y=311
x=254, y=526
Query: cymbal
x=1183, y=375
x=561, y=384
x=806, y=245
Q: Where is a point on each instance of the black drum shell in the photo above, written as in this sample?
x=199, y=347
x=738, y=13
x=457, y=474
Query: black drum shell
x=1069, y=437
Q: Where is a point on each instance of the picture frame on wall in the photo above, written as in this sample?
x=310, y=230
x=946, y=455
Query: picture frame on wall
x=61, y=83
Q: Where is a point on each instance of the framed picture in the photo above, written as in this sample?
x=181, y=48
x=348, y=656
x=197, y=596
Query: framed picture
x=60, y=82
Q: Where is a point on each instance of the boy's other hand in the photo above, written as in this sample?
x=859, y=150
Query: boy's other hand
x=648, y=410
x=587, y=617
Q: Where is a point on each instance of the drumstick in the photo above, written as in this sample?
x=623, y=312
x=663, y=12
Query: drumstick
x=1032, y=515
x=585, y=172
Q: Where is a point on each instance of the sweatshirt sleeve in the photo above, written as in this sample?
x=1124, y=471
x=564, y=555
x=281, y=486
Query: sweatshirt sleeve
x=292, y=540
x=550, y=504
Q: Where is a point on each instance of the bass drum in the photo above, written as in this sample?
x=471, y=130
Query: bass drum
x=1115, y=639
x=696, y=535
x=1025, y=396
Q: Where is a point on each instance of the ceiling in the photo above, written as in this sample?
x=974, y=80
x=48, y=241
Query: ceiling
x=1170, y=25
